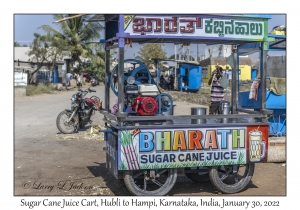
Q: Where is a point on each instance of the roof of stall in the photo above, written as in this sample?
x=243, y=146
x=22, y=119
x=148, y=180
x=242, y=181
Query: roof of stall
x=179, y=38
x=103, y=17
x=107, y=17
x=279, y=44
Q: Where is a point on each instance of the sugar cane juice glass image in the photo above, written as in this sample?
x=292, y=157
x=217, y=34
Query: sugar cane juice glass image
x=255, y=138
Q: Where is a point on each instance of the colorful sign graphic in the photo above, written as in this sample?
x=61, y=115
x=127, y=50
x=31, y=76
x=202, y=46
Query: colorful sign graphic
x=176, y=148
x=194, y=26
x=263, y=16
x=127, y=20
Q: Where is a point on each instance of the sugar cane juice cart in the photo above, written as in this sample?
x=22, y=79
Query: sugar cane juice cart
x=147, y=146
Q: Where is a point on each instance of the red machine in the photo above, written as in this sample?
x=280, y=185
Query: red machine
x=145, y=106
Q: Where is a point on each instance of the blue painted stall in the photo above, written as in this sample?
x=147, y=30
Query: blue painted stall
x=253, y=74
x=55, y=76
x=274, y=102
x=190, y=76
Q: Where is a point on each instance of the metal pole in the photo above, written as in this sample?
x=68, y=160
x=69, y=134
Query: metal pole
x=175, y=70
x=234, y=82
x=263, y=73
x=180, y=51
x=121, y=114
x=157, y=73
x=121, y=65
x=198, y=53
x=238, y=72
x=106, y=79
x=188, y=48
x=175, y=52
x=121, y=78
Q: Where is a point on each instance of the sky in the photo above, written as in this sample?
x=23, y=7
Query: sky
x=27, y=24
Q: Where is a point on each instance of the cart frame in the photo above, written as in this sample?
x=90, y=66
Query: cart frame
x=119, y=31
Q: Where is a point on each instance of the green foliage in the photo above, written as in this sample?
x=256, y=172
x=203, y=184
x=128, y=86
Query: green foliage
x=16, y=44
x=95, y=64
x=45, y=49
x=173, y=56
x=76, y=33
x=149, y=51
x=78, y=38
x=39, y=89
x=205, y=91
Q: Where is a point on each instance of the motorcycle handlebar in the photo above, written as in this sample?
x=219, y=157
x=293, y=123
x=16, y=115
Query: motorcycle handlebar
x=87, y=90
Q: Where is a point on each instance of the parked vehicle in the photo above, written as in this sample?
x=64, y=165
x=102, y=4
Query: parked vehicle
x=94, y=81
x=69, y=120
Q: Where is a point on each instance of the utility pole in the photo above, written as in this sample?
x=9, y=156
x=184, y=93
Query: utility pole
x=198, y=53
x=175, y=52
x=175, y=68
x=188, y=48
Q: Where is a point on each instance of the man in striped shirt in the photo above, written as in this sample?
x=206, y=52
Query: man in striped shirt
x=217, y=91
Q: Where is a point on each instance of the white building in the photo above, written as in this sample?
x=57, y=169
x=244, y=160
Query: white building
x=24, y=63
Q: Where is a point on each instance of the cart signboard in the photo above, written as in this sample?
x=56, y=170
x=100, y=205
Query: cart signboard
x=189, y=147
x=263, y=16
x=201, y=27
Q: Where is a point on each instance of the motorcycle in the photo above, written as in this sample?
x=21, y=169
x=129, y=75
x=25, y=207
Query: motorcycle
x=80, y=113
x=94, y=81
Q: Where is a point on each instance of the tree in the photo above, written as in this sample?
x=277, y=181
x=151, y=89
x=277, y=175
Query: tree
x=94, y=64
x=173, y=56
x=149, y=51
x=77, y=33
x=16, y=44
x=45, y=49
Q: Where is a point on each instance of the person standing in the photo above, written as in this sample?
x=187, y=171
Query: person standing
x=69, y=77
x=167, y=81
x=79, y=81
x=172, y=80
x=115, y=81
x=162, y=81
x=217, y=91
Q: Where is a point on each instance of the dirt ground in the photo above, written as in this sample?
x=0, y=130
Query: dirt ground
x=47, y=162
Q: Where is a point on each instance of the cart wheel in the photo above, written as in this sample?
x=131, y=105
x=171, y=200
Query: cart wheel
x=231, y=179
x=202, y=175
x=278, y=125
x=150, y=182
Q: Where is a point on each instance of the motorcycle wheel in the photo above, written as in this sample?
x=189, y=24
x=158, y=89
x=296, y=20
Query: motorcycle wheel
x=65, y=127
x=201, y=176
x=140, y=183
x=81, y=125
x=231, y=179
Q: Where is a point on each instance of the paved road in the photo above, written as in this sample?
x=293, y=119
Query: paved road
x=49, y=163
